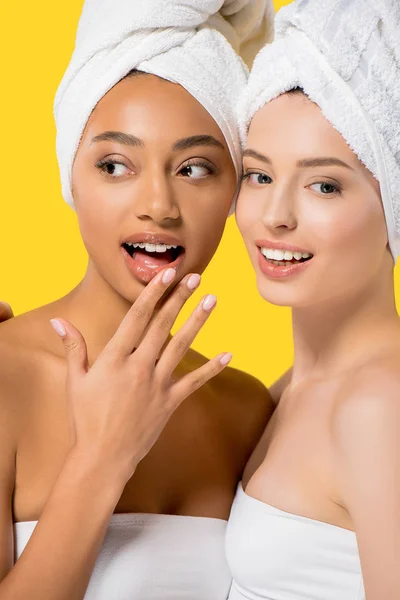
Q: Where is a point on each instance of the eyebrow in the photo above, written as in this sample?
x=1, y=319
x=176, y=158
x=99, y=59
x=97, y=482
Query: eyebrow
x=323, y=161
x=320, y=161
x=121, y=138
x=257, y=156
x=197, y=140
x=131, y=140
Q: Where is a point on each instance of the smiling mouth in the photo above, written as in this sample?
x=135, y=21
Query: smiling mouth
x=285, y=258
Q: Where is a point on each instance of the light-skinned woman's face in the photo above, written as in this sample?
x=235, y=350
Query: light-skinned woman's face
x=309, y=211
x=153, y=182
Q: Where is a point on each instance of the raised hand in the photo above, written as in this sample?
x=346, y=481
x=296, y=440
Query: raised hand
x=120, y=405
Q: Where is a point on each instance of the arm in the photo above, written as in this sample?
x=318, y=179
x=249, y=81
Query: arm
x=59, y=558
x=366, y=437
x=117, y=408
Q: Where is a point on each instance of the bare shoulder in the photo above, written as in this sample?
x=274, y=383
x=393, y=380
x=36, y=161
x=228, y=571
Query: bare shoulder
x=240, y=403
x=26, y=347
x=368, y=406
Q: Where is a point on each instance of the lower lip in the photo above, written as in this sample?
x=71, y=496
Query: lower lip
x=280, y=271
x=145, y=273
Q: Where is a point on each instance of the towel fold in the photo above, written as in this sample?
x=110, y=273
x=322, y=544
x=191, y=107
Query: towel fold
x=345, y=54
x=194, y=43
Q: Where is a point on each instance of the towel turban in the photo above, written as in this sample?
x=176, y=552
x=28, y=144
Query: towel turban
x=345, y=55
x=195, y=43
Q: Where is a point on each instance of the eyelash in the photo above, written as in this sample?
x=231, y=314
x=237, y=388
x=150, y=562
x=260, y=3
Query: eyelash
x=104, y=162
x=246, y=176
x=109, y=161
x=199, y=163
x=336, y=186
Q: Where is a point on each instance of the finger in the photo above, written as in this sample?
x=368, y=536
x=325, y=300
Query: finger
x=6, y=312
x=137, y=319
x=74, y=347
x=181, y=342
x=195, y=380
x=160, y=328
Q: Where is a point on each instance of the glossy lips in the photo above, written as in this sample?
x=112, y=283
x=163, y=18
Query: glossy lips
x=278, y=260
x=146, y=254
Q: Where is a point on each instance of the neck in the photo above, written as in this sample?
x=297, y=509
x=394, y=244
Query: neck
x=332, y=336
x=95, y=309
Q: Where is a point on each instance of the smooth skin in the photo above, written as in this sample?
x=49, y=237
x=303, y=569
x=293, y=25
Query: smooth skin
x=96, y=425
x=331, y=451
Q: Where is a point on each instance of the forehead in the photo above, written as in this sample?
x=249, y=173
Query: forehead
x=294, y=126
x=151, y=108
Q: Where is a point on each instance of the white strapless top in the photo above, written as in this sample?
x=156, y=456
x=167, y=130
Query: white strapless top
x=275, y=555
x=155, y=557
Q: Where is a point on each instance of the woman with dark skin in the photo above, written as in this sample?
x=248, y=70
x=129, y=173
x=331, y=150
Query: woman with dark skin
x=117, y=438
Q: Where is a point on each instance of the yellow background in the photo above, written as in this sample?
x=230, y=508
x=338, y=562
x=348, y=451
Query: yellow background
x=41, y=254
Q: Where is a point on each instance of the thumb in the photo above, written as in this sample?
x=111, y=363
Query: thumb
x=74, y=346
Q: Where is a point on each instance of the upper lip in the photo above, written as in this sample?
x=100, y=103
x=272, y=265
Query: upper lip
x=152, y=237
x=281, y=246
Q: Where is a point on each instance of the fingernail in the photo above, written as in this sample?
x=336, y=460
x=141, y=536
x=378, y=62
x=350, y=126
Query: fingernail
x=209, y=302
x=225, y=359
x=58, y=327
x=193, y=281
x=169, y=276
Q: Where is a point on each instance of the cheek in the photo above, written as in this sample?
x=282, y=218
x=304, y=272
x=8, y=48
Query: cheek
x=97, y=221
x=354, y=229
x=248, y=215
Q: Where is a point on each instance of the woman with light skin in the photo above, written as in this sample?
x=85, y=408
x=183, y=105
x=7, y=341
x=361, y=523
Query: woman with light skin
x=318, y=512
x=111, y=485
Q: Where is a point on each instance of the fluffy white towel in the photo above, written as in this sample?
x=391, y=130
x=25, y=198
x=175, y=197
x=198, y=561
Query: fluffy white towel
x=190, y=42
x=345, y=54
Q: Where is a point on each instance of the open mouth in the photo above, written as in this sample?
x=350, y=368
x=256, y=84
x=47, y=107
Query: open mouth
x=147, y=255
x=159, y=255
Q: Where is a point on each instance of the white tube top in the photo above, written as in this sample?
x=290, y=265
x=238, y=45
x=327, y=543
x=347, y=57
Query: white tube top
x=155, y=557
x=275, y=555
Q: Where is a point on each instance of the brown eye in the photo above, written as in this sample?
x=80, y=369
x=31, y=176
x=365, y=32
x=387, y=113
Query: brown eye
x=195, y=171
x=112, y=168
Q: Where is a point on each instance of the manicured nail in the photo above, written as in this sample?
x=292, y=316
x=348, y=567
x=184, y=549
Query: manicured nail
x=169, y=276
x=209, y=302
x=58, y=327
x=193, y=281
x=225, y=359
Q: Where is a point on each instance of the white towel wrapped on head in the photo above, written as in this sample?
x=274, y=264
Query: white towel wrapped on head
x=189, y=42
x=345, y=54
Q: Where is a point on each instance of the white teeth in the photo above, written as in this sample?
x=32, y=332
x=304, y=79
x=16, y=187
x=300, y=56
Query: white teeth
x=278, y=254
x=283, y=255
x=151, y=247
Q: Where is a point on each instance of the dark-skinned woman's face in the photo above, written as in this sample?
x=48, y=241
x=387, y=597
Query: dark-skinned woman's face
x=152, y=182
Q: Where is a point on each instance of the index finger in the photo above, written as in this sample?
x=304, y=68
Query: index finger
x=139, y=315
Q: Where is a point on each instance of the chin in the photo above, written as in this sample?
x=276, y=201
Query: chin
x=281, y=294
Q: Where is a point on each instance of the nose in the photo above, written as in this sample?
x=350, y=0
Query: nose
x=279, y=211
x=157, y=202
